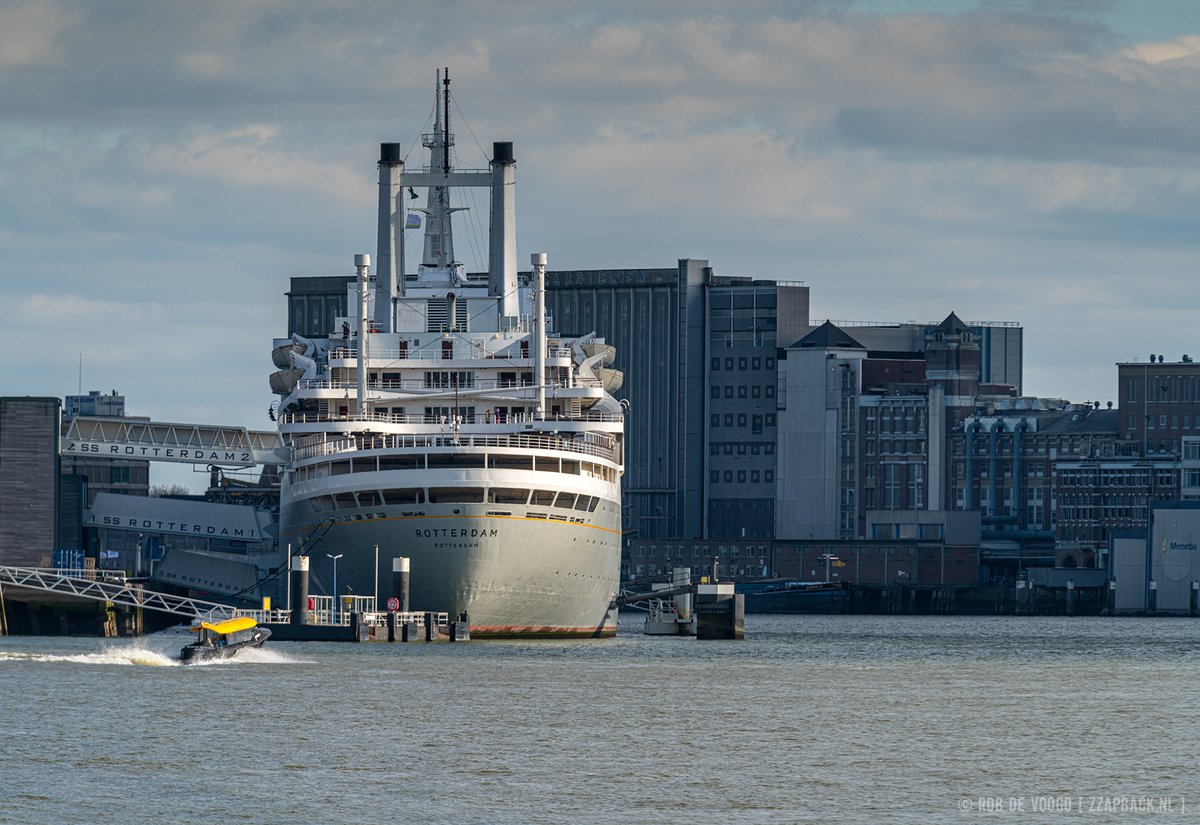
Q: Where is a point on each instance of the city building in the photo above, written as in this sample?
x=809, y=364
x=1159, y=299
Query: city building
x=29, y=480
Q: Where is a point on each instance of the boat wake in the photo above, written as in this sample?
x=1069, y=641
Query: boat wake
x=254, y=656
x=120, y=655
x=144, y=657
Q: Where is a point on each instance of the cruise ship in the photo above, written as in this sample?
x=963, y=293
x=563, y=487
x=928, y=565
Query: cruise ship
x=444, y=421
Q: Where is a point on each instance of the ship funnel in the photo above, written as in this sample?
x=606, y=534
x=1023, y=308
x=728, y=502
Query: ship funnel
x=538, y=260
x=362, y=263
x=502, y=243
x=390, y=239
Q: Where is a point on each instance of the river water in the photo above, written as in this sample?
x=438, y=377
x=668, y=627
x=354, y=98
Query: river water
x=809, y=719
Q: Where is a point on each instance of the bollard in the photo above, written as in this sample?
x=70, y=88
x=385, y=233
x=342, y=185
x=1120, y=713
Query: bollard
x=1153, y=606
x=400, y=568
x=431, y=629
x=1194, y=604
x=409, y=632
x=299, y=607
x=391, y=625
x=1070, y=597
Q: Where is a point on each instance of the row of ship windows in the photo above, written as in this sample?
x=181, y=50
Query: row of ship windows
x=454, y=461
x=455, y=495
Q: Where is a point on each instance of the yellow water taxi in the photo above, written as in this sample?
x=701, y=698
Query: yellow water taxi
x=220, y=640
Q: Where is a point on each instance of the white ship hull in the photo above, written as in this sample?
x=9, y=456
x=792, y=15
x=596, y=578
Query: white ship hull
x=514, y=575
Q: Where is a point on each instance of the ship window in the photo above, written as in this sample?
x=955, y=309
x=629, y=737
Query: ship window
x=401, y=462
x=405, y=495
x=542, y=498
x=340, y=468
x=321, y=504
x=507, y=495
x=368, y=498
x=365, y=465
x=595, y=502
x=584, y=503
x=453, y=495
x=566, y=500
x=547, y=465
x=443, y=460
x=511, y=462
x=345, y=501
x=571, y=467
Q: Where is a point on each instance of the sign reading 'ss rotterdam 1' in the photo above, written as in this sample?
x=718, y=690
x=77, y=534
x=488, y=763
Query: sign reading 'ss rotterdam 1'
x=182, y=517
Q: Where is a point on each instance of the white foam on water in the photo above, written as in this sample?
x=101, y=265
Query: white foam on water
x=113, y=655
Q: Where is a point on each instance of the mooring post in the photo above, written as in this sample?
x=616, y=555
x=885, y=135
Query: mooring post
x=1070, y=597
x=400, y=580
x=1194, y=602
x=300, y=590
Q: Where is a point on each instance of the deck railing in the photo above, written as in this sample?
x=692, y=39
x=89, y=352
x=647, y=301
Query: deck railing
x=443, y=386
x=350, y=352
x=592, y=444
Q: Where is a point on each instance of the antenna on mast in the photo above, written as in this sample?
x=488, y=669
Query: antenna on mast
x=446, y=108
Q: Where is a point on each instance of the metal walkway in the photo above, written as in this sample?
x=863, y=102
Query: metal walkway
x=89, y=584
x=95, y=437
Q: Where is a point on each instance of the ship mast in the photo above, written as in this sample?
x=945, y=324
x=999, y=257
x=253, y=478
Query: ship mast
x=439, y=236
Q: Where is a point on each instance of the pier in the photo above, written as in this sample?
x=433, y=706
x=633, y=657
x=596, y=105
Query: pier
x=315, y=618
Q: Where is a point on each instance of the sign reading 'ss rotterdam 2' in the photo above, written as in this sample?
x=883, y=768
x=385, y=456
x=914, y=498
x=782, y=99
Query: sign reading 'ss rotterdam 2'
x=237, y=457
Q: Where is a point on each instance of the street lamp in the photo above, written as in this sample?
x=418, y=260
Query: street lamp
x=335, y=604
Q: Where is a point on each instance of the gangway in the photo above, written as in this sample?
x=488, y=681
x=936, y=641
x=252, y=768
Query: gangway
x=100, y=437
x=105, y=587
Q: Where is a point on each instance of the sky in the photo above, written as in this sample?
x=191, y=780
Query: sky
x=165, y=168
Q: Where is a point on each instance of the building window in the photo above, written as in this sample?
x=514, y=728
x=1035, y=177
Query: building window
x=728, y=363
x=716, y=365
x=769, y=390
x=741, y=419
x=728, y=419
x=769, y=364
x=769, y=476
x=742, y=391
x=741, y=476
x=729, y=476
x=714, y=420
x=755, y=363
x=757, y=425
x=742, y=364
x=770, y=419
x=755, y=391
x=754, y=476
x=714, y=476
x=715, y=392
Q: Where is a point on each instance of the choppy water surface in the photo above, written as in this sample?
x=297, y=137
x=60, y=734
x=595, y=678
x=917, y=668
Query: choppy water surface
x=810, y=719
